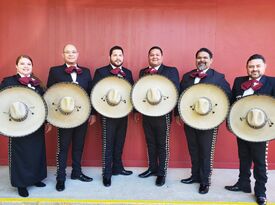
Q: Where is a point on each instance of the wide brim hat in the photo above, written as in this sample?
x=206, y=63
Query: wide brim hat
x=218, y=110
x=147, y=83
x=121, y=88
x=59, y=91
x=35, y=106
x=239, y=125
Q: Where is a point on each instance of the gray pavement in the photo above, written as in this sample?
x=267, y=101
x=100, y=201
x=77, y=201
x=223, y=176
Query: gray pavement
x=134, y=188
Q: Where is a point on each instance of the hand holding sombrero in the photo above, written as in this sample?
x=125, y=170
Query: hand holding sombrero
x=252, y=118
x=203, y=106
x=68, y=105
x=22, y=111
x=111, y=97
x=154, y=95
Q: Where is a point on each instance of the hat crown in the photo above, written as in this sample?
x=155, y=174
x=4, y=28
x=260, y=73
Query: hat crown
x=18, y=111
x=67, y=105
x=203, y=106
x=153, y=96
x=113, y=97
x=256, y=118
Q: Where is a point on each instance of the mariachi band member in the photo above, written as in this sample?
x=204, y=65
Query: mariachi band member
x=70, y=71
x=23, y=122
x=114, y=112
x=201, y=143
x=250, y=151
x=157, y=127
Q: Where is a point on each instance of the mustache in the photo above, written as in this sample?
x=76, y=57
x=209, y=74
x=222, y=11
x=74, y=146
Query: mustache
x=201, y=65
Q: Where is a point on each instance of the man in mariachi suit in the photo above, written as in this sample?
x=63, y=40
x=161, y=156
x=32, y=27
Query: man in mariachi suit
x=157, y=129
x=71, y=72
x=113, y=129
x=254, y=83
x=201, y=143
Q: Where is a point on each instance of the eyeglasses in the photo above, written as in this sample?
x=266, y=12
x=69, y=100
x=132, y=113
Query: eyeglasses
x=70, y=52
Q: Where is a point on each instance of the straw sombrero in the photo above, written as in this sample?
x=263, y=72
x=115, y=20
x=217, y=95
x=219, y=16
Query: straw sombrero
x=22, y=111
x=203, y=106
x=252, y=118
x=154, y=95
x=68, y=105
x=111, y=97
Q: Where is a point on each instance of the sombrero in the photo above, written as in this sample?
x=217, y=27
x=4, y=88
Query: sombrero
x=252, y=118
x=154, y=95
x=22, y=111
x=111, y=97
x=203, y=106
x=68, y=105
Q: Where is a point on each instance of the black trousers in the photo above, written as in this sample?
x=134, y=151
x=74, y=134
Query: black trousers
x=113, y=138
x=76, y=137
x=253, y=152
x=201, y=145
x=157, y=131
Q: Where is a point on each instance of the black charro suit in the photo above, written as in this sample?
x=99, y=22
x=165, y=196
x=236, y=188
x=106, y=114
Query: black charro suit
x=201, y=143
x=255, y=152
x=27, y=155
x=76, y=135
x=157, y=129
x=113, y=129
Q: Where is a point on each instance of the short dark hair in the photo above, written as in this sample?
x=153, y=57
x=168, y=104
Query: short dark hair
x=204, y=50
x=23, y=56
x=115, y=48
x=255, y=56
x=155, y=47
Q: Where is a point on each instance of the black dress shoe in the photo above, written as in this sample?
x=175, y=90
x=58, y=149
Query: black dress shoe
x=40, y=184
x=203, y=189
x=147, y=173
x=236, y=187
x=60, y=185
x=22, y=191
x=107, y=181
x=82, y=177
x=160, y=181
x=261, y=200
x=122, y=172
x=189, y=180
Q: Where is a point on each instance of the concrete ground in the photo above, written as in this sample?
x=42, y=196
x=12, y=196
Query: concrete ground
x=133, y=188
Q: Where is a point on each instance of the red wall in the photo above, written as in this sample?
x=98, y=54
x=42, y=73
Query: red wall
x=233, y=31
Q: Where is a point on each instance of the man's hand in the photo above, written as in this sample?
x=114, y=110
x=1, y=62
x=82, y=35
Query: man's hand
x=178, y=120
x=136, y=117
x=48, y=127
x=92, y=119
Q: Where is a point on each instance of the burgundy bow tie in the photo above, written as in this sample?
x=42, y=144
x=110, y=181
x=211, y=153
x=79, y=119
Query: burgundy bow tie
x=198, y=74
x=71, y=69
x=117, y=71
x=254, y=84
x=151, y=71
x=28, y=80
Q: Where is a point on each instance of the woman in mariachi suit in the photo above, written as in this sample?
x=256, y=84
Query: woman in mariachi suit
x=27, y=155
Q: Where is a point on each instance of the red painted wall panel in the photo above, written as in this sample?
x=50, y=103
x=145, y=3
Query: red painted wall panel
x=233, y=31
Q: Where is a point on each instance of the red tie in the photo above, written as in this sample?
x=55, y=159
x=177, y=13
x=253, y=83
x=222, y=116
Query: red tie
x=254, y=84
x=117, y=71
x=71, y=69
x=28, y=80
x=198, y=74
x=151, y=71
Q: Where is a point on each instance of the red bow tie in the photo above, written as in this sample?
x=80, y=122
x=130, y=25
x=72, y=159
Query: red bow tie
x=117, y=71
x=28, y=80
x=151, y=71
x=71, y=69
x=198, y=74
x=254, y=84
